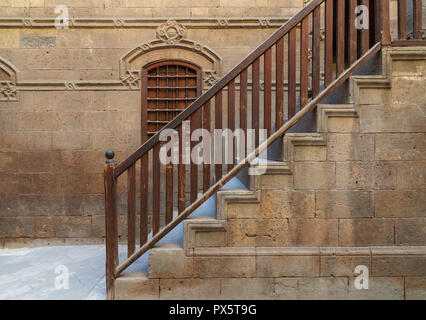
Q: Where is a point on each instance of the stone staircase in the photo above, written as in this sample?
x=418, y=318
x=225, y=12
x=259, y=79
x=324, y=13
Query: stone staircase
x=340, y=198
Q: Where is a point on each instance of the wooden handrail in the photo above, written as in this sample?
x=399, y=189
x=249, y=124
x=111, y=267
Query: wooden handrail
x=341, y=60
x=216, y=187
x=232, y=74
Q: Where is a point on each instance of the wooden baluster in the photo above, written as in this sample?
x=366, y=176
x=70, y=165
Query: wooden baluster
x=386, y=38
x=402, y=19
x=352, y=33
x=329, y=19
x=131, y=209
x=206, y=166
x=304, y=62
x=417, y=19
x=218, y=125
x=292, y=73
x=111, y=223
x=365, y=33
x=243, y=114
x=181, y=173
x=316, y=51
x=279, y=113
x=340, y=37
x=195, y=124
x=255, y=99
x=267, y=91
x=156, y=189
x=231, y=117
x=144, y=200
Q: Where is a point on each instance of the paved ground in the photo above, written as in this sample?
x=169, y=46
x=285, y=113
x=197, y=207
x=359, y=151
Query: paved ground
x=29, y=274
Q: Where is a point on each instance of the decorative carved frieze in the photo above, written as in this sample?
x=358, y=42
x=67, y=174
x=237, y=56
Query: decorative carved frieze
x=7, y=91
x=171, y=32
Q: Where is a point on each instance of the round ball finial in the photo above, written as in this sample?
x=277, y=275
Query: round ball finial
x=110, y=156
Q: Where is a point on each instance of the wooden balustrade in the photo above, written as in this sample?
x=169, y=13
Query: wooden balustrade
x=322, y=65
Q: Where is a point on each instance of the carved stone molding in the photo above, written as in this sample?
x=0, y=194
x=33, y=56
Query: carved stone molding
x=8, y=80
x=171, y=32
x=123, y=22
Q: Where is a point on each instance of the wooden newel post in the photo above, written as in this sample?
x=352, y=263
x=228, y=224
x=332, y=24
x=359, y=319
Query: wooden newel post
x=111, y=227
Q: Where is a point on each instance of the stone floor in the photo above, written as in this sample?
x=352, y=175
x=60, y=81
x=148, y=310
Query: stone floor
x=29, y=274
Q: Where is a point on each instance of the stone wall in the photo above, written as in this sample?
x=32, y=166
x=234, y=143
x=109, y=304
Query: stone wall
x=67, y=95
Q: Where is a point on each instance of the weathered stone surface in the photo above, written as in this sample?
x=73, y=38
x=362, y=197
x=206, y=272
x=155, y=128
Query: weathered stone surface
x=247, y=288
x=63, y=227
x=379, y=288
x=302, y=204
x=366, y=175
x=314, y=175
x=309, y=153
x=189, y=289
x=373, y=96
x=257, y=232
x=342, y=266
x=287, y=266
x=210, y=239
x=345, y=147
x=411, y=232
x=344, y=204
x=344, y=125
x=400, y=203
x=415, y=288
x=136, y=287
x=396, y=266
x=311, y=288
x=397, y=146
x=275, y=204
x=386, y=118
x=313, y=232
x=16, y=227
x=366, y=232
x=275, y=182
x=225, y=267
x=411, y=175
x=169, y=262
x=243, y=210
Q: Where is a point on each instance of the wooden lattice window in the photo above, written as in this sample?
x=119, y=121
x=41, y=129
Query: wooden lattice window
x=168, y=87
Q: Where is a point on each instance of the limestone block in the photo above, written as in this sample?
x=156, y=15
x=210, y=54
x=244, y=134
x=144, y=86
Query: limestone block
x=275, y=204
x=342, y=266
x=136, y=287
x=225, y=267
x=302, y=204
x=275, y=182
x=387, y=118
x=366, y=232
x=415, y=288
x=410, y=68
x=313, y=232
x=311, y=288
x=189, y=289
x=257, y=232
x=373, y=96
x=411, y=175
x=366, y=175
x=408, y=91
x=379, y=288
x=243, y=210
x=401, y=146
x=344, y=204
x=247, y=288
x=400, y=203
x=411, y=232
x=343, y=125
x=310, y=153
x=169, y=262
x=402, y=265
x=63, y=227
x=314, y=175
x=13, y=227
x=287, y=266
x=344, y=147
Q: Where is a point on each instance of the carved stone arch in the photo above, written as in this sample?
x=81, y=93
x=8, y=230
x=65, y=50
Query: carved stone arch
x=133, y=61
x=8, y=79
